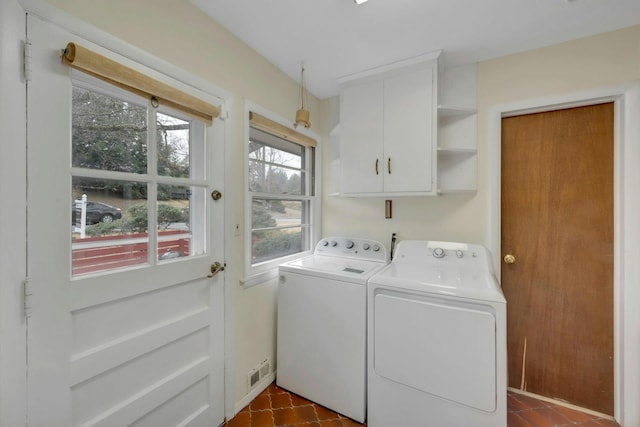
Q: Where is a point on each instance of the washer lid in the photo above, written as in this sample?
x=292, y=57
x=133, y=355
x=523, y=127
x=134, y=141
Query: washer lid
x=341, y=268
x=476, y=284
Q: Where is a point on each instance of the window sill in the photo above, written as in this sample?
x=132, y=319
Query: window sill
x=259, y=278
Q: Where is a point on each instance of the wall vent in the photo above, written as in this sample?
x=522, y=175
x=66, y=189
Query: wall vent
x=253, y=378
x=258, y=373
x=265, y=368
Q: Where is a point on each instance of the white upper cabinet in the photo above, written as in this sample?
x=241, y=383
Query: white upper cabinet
x=387, y=133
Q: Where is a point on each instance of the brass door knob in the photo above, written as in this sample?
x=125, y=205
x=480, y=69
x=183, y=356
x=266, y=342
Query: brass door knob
x=509, y=259
x=216, y=267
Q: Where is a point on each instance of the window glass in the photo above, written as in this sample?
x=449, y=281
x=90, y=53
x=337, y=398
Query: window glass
x=108, y=133
x=279, y=184
x=108, y=224
x=111, y=212
x=173, y=144
x=180, y=215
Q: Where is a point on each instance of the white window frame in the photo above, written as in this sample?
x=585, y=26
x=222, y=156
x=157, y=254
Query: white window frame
x=265, y=271
x=198, y=233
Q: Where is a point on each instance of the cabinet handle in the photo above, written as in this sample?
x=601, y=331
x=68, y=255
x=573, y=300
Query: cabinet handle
x=377, y=161
x=389, y=165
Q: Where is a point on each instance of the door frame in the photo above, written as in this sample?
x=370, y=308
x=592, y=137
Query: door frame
x=626, y=99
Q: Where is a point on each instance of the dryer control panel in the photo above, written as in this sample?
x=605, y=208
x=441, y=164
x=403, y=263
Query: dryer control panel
x=464, y=255
x=352, y=247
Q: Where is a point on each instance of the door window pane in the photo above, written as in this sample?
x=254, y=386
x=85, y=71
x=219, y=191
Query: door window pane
x=108, y=133
x=173, y=142
x=180, y=217
x=108, y=224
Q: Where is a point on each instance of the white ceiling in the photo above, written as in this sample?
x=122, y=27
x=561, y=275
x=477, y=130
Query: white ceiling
x=335, y=38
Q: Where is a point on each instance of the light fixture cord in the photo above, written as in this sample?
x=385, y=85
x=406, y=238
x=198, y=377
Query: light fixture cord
x=302, y=87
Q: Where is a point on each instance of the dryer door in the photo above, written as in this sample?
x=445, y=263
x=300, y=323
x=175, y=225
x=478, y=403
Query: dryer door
x=443, y=347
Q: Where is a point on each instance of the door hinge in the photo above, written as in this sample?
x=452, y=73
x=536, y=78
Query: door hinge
x=27, y=295
x=27, y=60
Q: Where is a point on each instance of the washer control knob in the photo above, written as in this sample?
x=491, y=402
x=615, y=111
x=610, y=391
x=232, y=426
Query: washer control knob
x=438, y=253
x=365, y=246
x=376, y=248
x=349, y=244
x=334, y=243
x=459, y=253
x=324, y=243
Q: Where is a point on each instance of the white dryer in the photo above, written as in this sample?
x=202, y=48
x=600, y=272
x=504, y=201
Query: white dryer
x=436, y=339
x=321, y=344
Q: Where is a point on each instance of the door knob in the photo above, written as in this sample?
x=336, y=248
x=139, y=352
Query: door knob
x=216, y=268
x=509, y=259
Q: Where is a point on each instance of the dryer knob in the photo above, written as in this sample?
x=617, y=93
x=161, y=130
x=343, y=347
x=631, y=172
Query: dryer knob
x=334, y=243
x=438, y=253
x=324, y=243
x=349, y=244
x=366, y=246
x=459, y=253
x=376, y=248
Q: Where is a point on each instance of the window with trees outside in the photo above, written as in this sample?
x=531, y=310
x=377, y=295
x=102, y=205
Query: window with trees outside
x=281, y=192
x=135, y=168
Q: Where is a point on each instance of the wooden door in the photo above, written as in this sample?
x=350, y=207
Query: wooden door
x=557, y=222
x=141, y=345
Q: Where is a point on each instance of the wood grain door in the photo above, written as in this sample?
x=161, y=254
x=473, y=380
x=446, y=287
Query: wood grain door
x=557, y=223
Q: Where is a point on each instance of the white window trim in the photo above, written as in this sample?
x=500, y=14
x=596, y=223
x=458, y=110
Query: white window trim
x=268, y=270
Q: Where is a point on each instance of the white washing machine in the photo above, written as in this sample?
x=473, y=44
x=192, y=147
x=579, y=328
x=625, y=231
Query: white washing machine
x=322, y=312
x=437, y=339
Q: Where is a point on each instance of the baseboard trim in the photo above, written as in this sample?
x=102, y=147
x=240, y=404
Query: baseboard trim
x=561, y=403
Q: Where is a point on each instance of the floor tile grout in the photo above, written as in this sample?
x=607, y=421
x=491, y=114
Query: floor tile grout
x=294, y=410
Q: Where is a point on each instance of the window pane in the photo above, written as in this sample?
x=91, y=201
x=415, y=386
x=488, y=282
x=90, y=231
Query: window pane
x=173, y=138
x=108, y=133
x=268, y=245
x=279, y=228
x=108, y=224
x=269, y=154
x=180, y=215
x=266, y=178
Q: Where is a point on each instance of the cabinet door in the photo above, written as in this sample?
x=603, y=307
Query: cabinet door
x=361, y=138
x=408, y=126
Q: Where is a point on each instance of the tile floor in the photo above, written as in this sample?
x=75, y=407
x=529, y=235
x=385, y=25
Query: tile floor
x=277, y=407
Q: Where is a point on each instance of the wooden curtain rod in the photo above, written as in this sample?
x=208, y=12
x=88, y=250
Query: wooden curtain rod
x=260, y=122
x=139, y=83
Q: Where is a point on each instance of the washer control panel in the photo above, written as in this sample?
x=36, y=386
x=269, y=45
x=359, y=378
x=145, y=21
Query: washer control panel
x=352, y=247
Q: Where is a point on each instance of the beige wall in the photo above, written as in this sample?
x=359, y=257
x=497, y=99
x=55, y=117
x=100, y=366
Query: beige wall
x=177, y=32
x=594, y=62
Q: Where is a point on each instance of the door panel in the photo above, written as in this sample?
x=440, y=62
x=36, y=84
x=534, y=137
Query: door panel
x=557, y=221
x=138, y=346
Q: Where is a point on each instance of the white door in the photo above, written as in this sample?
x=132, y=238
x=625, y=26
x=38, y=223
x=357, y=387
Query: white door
x=361, y=144
x=111, y=344
x=408, y=127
